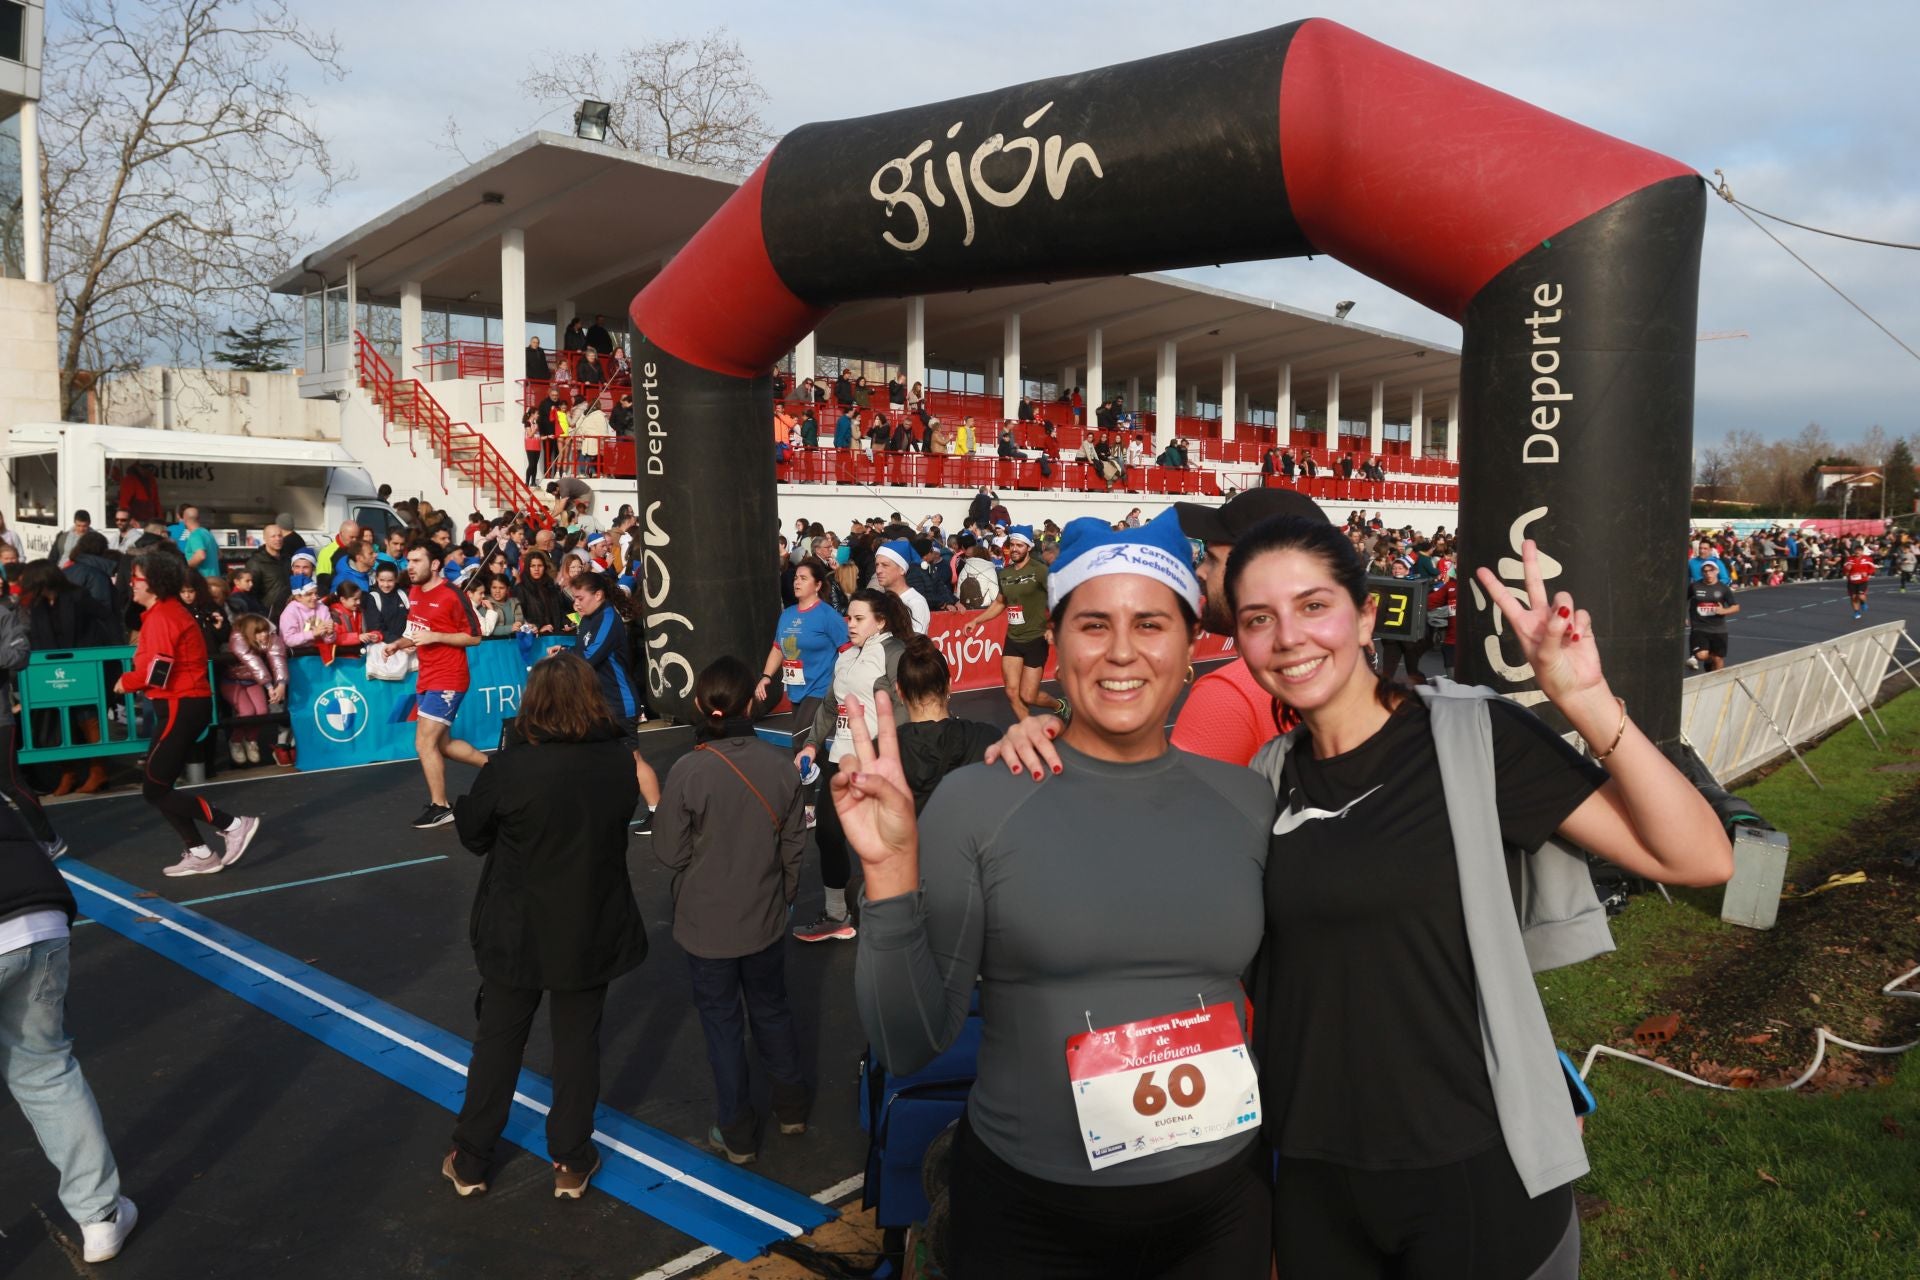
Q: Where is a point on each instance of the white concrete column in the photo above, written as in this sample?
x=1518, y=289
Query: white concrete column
x=1417, y=447
x=1283, y=407
x=1230, y=411
x=1096, y=372
x=1453, y=428
x=33, y=251
x=1246, y=407
x=1333, y=409
x=563, y=314
x=1067, y=374
x=1133, y=395
x=806, y=356
x=993, y=375
x=1377, y=417
x=1010, y=366
x=1166, y=393
x=410, y=333
x=916, y=361
x=513, y=297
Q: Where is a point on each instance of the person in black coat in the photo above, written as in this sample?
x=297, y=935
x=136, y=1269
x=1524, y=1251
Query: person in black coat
x=543, y=606
x=384, y=609
x=537, y=368
x=554, y=916
x=598, y=339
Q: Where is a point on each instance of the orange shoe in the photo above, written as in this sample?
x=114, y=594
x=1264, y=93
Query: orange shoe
x=69, y=779
x=96, y=779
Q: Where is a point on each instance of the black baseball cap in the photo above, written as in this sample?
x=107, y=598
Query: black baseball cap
x=1232, y=519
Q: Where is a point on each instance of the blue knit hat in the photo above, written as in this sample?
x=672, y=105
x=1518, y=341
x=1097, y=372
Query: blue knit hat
x=899, y=549
x=1091, y=548
x=1021, y=533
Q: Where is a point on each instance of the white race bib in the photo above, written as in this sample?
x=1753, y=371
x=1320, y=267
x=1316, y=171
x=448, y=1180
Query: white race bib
x=1015, y=615
x=1172, y=1081
x=792, y=673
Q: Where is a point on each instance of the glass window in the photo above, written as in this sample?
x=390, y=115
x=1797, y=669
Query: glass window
x=378, y=519
x=336, y=316
x=316, y=324
x=13, y=22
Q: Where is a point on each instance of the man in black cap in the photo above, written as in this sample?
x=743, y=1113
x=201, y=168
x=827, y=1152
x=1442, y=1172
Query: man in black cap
x=1227, y=715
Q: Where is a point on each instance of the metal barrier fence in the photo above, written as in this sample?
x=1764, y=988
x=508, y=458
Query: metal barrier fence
x=1742, y=717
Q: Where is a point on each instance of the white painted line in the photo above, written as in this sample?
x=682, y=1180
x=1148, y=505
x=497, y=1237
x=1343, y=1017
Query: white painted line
x=432, y=1055
x=688, y=1261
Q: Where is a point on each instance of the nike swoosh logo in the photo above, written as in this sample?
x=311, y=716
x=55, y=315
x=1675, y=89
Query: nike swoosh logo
x=1298, y=817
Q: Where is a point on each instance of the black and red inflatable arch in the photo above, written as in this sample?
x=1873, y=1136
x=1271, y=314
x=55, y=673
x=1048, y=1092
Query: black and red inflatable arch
x=1570, y=258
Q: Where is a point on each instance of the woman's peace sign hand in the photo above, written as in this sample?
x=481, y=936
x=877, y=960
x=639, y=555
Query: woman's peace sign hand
x=875, y=804
x=1556, y=638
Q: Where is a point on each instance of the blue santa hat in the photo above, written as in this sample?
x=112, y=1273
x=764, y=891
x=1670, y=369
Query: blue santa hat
x=900, y=550
x=1091, y=548
x=1021, y=533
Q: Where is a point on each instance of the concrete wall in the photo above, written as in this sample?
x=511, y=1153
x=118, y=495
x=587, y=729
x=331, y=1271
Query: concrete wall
x=218, y=402
x=29, y=354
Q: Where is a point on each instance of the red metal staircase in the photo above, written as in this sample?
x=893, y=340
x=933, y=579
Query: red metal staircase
x=468, y=455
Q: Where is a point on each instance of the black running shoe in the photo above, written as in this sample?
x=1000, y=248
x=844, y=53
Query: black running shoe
x=434, y=815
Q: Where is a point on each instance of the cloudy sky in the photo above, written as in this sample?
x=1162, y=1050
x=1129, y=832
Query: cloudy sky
x=1813, y=112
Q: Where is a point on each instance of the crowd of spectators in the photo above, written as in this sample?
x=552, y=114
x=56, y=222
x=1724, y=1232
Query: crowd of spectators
x=1783, y=553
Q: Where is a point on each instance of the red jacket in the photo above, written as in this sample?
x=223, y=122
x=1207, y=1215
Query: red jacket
x=168, y=631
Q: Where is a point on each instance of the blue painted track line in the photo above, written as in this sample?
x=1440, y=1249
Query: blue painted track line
x=728, y=1208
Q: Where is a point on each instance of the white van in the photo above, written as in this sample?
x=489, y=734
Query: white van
x=240, y=483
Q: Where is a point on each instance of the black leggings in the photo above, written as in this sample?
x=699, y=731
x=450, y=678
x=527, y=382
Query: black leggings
x=836, y=868
x=1470, y=1218
x=182, y=721
x=14, y=793
x=1009, y=1225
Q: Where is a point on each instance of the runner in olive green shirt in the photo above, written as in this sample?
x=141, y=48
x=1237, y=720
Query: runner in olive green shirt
x=1023, y=598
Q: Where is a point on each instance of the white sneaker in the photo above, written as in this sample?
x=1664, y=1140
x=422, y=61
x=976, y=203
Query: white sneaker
x=253, y=750
x=195, y=862
x=236, y=750
x=238, y=837
x=103, y=1239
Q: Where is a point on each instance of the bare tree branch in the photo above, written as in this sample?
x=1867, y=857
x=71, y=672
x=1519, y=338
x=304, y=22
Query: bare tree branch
x=693, y=100
x=177, y=161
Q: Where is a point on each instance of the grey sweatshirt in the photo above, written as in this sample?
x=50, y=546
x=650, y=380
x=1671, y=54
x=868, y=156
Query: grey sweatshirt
x=1106, y=894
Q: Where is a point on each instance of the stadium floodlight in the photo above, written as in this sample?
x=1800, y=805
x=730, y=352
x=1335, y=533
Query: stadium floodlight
x=1340, y=309
x=590, y=121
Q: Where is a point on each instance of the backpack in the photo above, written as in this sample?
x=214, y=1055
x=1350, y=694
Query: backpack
x=972, y=594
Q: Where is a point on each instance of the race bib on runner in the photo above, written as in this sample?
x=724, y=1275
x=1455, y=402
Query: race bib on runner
x=840, y=723
x=1706, y=608
x=1016, y=616
x=792, y=672
x=1160, y=1083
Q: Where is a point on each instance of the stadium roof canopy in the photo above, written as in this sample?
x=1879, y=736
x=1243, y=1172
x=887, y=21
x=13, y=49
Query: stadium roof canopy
x=600, y=221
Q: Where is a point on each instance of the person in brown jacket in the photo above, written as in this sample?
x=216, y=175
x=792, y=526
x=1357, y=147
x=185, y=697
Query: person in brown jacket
x=731, y=825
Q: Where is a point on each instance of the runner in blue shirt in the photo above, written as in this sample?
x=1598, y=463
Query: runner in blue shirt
x=805, y=641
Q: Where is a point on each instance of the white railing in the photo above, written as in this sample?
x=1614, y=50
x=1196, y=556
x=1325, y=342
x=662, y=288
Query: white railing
x=1740, y=718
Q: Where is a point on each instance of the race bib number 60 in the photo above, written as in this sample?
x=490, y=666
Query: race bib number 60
x=1171, y=1081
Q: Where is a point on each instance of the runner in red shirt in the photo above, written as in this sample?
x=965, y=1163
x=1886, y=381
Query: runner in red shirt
x=440, y=627
x=1859, y=572
x=170, y=667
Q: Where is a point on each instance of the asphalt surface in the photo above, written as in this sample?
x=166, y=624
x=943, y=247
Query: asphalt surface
x=254, y=1150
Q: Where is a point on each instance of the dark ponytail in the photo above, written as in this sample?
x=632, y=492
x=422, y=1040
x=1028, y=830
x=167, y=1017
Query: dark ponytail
x=924, y=675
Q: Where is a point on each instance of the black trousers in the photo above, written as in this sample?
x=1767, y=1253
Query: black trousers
x=1007, y=1225
x=1472, y=1218
x=506, y=1015
x=15, y=794
x=836, y=867
x=181, y=722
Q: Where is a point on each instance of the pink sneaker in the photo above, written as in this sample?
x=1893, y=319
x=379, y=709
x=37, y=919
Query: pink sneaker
x=195, y=862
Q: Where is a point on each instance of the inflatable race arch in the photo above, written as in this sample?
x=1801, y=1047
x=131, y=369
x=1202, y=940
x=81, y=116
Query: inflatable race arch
x=1570, y=258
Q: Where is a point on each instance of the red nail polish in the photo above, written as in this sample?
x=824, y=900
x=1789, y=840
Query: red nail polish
x=1574, y=636
x=1036, y=775
x=1565, y=612
x=1056, y=768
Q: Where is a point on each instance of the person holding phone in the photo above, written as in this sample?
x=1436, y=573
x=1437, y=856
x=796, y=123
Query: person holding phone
x=1425, y=860
x=170, y=667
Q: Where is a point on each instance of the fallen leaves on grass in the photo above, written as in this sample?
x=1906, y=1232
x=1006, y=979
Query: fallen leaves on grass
x=1891, y=1127
x=1767, y=1178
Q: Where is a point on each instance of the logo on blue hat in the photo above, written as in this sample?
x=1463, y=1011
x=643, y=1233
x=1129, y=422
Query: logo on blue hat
x=339, y=713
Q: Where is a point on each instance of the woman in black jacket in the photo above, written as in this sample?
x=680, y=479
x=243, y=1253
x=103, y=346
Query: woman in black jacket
x=554, y=915
x=543, y=605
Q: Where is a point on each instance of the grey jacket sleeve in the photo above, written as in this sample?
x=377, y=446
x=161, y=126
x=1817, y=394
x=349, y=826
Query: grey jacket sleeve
x=793, y=836
x=920, y=952
x=673, y=828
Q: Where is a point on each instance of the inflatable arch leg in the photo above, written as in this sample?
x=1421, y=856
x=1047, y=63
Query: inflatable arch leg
x=1570, y=258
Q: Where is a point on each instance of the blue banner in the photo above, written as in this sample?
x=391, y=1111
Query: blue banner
x=341, y=717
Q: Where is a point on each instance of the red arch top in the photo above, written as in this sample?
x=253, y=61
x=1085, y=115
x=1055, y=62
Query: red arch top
x=1427, y=181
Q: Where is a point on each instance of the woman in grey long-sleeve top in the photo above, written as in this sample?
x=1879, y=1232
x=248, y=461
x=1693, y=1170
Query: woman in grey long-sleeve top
x=1125, y=891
